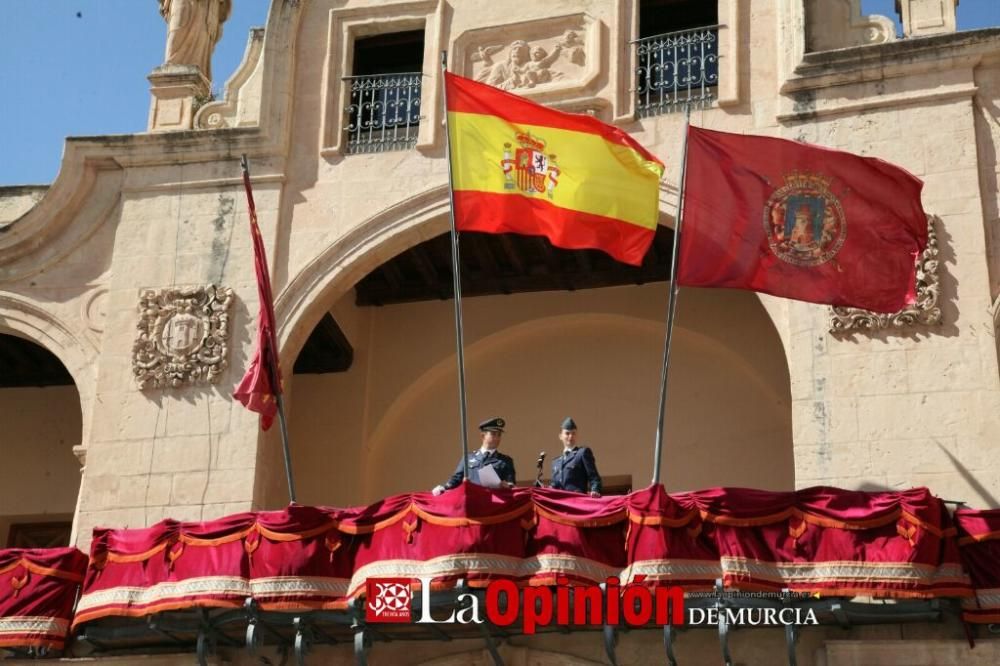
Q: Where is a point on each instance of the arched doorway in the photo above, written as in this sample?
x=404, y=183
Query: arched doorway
x=576, y=345
x=42, y=423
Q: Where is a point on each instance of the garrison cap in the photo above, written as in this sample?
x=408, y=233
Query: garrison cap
x=496, y=424
x=568, y=423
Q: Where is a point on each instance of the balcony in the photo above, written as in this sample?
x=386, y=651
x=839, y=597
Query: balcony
x=676, y=69
x=383, y=113
x=299, y=578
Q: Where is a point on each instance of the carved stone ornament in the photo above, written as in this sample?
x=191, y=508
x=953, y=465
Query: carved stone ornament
x=520, y=65
x=549, y=55
x=924, y=311
x=183, y=336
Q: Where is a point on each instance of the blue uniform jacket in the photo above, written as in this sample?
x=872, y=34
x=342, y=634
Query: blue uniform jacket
x=501, y=464
x=576, y=470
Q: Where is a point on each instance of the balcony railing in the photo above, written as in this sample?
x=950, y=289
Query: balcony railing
x=384, y=112
x=676, y=69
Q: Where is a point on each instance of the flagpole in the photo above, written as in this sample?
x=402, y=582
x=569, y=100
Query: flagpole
x=456, y=276
x=671, y=307
x=280, y=403
x=272, y=362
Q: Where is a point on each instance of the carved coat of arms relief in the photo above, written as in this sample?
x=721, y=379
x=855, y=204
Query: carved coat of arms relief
x=183, y=336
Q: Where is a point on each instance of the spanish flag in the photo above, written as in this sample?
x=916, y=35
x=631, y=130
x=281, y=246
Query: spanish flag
x=523, y=168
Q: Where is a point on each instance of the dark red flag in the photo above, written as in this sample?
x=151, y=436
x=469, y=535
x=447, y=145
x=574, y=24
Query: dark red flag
x=262, y=381
x=799, y=221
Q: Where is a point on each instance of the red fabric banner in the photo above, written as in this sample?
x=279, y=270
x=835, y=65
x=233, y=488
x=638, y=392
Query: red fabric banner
x=262, y=381
x=822, y=541
x=799, y=221
x=38, y=588
x=818, y=540
x=979, y=543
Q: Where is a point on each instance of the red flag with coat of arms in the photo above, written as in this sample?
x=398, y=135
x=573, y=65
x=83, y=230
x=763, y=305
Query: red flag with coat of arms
x=799, y=221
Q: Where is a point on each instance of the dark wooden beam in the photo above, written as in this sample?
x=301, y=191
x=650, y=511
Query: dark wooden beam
x=513, y=255
x=551, y=266
x=25, y=364
x=611, y=277
x=487, y=262
x=392, y=274
x=503, y=264
x=326, y=350
x=426, y=269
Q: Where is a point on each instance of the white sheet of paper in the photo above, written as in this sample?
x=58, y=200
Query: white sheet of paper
x=488, y=478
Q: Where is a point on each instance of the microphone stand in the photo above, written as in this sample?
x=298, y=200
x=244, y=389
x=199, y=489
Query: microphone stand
x=538, y=478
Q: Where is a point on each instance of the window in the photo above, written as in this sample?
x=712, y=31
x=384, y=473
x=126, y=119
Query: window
x=384, y=92
x=677, y=55
x=39, y=535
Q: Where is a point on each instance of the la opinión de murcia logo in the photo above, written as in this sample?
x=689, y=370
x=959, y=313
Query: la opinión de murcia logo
x=506, y=603
x=390, y=599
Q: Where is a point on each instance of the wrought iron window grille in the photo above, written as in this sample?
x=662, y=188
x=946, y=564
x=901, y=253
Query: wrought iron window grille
x=383, y=113
x=676, y=69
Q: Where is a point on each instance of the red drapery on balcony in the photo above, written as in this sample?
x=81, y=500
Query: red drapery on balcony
x=979, y=541
x=818, y=540
x=37, y=591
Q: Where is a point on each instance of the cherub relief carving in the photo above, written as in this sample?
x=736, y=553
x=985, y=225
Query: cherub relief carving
x=526, y=66
x=574, y=47
x=537, y=70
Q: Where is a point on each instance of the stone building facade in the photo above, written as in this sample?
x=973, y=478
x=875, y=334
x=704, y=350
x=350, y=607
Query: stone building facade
x=134, y=270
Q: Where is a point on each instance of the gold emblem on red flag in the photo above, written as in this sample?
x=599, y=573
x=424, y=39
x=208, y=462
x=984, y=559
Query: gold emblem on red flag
x=804, y=221
x=530, y=169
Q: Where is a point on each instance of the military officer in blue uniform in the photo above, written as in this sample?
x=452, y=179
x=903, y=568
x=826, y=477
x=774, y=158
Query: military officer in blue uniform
x=491, y=431
x=575, y=469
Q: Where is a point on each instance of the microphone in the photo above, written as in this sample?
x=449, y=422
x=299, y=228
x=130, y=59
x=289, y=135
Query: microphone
x=541, y=460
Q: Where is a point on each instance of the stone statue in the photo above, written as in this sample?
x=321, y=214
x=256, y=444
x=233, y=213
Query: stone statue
x=193, y=29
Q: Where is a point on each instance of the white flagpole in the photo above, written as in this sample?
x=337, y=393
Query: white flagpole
x=671, y=307
x=456, y=277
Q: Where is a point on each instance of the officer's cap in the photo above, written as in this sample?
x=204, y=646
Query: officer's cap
x=496, y=424
x=568, y=423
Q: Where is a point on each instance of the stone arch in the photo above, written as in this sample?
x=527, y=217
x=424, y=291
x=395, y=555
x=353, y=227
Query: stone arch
x=24, y=319
x=42, y=463
x=339, y=266
x=334, y=271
